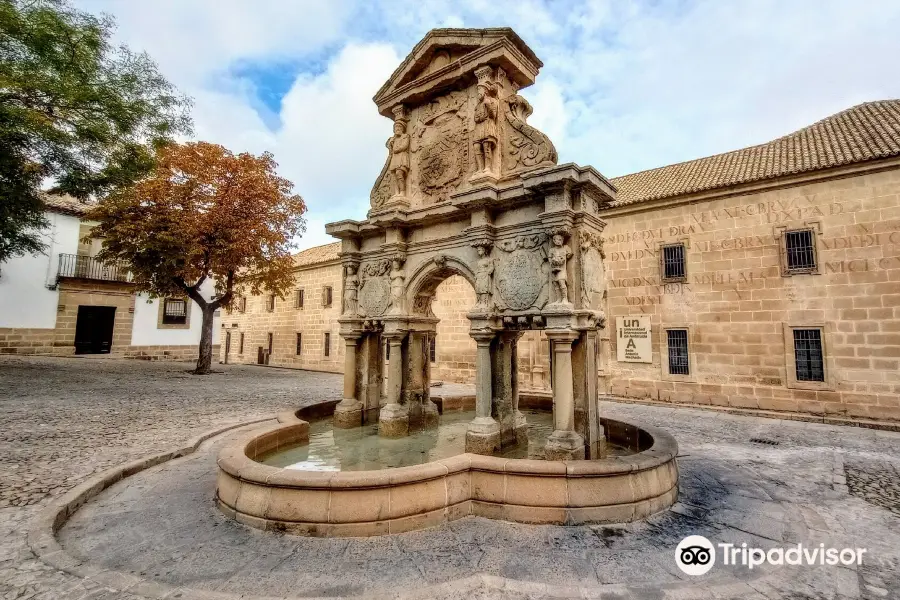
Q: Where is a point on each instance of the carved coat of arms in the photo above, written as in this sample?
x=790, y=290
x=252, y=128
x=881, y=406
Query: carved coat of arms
x=441, y=148
x=521, y=275
x=375, y=289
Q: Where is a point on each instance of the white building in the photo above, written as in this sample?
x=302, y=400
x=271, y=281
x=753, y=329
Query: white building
x=66, y=302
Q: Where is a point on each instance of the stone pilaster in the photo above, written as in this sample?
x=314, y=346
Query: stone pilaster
x=483, y=433
x=349, y=411
x=564, y=443
x=393, y=420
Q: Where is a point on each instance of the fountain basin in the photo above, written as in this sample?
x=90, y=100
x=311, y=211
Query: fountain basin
x=616, y=489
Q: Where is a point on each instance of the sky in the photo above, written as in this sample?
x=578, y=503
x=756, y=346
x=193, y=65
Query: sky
x=626, y=86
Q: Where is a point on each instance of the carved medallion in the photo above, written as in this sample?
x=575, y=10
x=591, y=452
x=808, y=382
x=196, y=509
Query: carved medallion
x=375, y=289
x=521, y=274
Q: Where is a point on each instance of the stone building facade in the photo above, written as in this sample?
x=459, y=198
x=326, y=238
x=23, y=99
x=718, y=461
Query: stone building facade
x=769, y=278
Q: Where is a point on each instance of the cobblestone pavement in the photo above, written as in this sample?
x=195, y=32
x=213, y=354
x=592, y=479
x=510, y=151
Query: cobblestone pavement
x=64, y=419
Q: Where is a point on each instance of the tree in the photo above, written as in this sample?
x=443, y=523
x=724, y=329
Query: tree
x=204, y=213
x=75, y=111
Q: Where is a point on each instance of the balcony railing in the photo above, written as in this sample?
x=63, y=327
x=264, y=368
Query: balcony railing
x=77, y=266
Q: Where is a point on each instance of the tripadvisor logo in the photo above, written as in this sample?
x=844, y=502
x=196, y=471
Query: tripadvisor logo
x=696, y=555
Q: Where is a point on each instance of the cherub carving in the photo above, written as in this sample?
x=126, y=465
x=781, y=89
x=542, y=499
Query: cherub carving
x=559, y=254
x=484, y=140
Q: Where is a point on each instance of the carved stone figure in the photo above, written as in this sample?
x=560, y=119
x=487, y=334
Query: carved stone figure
x=398, y=287
x=398, y=146
x=484, y=276
x=559, y=255
x=593, y=276
x=351, y=290
x=485, y=136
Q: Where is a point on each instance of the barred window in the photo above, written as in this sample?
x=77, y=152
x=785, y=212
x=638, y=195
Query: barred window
x=326, y=296
x=174, y=311
x=673, y=262
x=800, y=251
x=327, y=344
x=298, y=299
x=387, y=350
x=808, y=355
x=432, y=348
x=242, y=304
x=270, y=340
x=299, y=344
x=270, y=302
x=677, y=339
x=241, y=343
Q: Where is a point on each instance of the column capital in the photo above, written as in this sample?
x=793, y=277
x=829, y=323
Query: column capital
x=350, y=336
x=561, y=335
x=394, y=337
x=483, y=338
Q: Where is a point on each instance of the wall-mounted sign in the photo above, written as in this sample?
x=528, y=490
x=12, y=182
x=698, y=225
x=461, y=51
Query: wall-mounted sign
x=633, y=342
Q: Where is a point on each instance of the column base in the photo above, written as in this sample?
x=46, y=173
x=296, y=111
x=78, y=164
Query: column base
x=393, y=421
x=483, y=436
x=564, y=445
x=432, y=416
x=348, y=414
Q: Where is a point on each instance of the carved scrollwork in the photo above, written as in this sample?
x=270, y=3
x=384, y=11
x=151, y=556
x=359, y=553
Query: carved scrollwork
x=526, y=146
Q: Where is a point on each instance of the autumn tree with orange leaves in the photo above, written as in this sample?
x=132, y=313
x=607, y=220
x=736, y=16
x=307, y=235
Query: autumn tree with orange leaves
x=203, y=214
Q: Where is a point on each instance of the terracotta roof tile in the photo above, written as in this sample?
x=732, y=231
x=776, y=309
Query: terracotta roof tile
x=65, y=204
x=317, y=255
x=864, y=132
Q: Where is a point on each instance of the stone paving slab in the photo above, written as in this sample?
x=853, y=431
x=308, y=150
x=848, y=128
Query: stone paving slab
x=820, y=483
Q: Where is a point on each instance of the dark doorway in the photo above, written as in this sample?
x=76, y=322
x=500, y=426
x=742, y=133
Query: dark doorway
x=94, y=329
x=227, y=345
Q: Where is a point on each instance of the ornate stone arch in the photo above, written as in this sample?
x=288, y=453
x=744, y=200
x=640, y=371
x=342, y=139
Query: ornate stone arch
x=428, y=276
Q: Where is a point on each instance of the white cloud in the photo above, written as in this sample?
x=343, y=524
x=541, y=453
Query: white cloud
x=625, y=86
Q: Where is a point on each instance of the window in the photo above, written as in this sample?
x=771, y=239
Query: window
x=241, y=343
x=326, y=296
x=327, y=344
x=299, y=344
x=800, y=251
x=174, y=312
x=679, y=363
x=242, y=304
x=270, y=343
x=808, y=355
x=387, y=351
x=432, y=347
x=673, y=266
x=298, y=299
x=270, y=302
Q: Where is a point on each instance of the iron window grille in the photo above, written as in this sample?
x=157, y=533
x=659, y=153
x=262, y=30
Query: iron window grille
x=432, y=349
x=174, y=312
x=241, y=343
x=270, y=340
x=298, y=302
x=800, y=251
x=326, y=296
x=387, y=351
x=242, y=304
x=270, y=303
x=679, y=363
x=808, y=355
x=673, y=265
x=327, y=344
x=299, y=344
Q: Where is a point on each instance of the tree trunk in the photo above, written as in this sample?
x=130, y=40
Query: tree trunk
x=204, y=361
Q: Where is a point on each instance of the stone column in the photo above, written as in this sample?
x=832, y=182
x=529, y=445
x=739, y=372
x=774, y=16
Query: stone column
x=483, y=433
x=393, y=420
x=564, y=443
x=348, y=412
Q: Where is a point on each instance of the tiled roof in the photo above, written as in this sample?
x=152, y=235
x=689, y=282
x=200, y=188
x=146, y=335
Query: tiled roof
x=864, y=132
x=317, y=255
x=65, y=204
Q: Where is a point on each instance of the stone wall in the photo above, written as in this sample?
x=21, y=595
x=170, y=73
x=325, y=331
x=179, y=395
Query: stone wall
x=174, y=353
x=75, y=293
x=286, y=320
x=738, y=307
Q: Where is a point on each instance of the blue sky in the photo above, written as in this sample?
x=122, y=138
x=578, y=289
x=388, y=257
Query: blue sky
x=625, y=86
